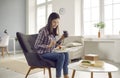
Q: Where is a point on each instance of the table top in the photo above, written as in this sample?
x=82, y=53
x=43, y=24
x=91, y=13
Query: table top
x=106, y=68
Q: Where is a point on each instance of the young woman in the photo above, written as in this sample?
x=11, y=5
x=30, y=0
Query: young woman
x=46, y=42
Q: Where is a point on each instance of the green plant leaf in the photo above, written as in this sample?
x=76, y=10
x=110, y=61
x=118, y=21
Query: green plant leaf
x=100, y=25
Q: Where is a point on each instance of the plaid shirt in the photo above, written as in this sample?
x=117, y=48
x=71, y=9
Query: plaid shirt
x=43, y=40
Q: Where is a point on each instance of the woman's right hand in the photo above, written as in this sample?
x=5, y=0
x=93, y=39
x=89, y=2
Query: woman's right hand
x=52, y=43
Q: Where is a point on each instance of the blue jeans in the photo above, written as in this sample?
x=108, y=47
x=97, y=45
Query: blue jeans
x=61, y=60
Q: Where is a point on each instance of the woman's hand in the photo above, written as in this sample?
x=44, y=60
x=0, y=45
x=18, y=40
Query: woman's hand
x=52, y=43
x=63, y=37
x=65, y=33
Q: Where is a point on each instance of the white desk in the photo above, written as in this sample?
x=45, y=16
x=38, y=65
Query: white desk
x=13, y=40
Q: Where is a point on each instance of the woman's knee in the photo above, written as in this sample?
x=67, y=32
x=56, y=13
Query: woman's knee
x=66, y=55
x=61, y=56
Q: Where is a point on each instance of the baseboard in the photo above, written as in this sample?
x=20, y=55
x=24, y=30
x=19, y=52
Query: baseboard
x=17, y=51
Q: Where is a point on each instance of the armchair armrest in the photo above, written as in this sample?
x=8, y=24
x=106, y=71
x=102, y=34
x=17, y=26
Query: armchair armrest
x=32, y=57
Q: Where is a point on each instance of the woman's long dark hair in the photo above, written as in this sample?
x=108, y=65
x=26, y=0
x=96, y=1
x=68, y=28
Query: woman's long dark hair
x=51, y=30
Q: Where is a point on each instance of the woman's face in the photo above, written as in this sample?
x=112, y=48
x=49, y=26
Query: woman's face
x=55, y=23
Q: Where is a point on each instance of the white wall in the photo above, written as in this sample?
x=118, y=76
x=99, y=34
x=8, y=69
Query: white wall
x=30, y=16
x=77, y=17
x=68, y=18
x=12, y=18
x=116, y=52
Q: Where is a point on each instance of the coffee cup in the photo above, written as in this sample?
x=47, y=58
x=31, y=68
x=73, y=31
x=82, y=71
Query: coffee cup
x=65, y=33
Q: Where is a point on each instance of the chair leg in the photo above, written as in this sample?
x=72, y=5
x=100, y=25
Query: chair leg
x=3, y=51
x=28, y=72
x=50, y=76
x=44, y=71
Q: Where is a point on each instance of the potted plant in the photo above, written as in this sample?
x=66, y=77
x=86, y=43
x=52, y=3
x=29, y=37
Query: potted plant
x=99, y=25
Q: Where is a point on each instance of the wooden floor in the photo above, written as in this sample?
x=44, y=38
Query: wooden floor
x=6, y=73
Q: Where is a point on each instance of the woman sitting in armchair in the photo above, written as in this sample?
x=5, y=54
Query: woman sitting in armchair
x=46, y=42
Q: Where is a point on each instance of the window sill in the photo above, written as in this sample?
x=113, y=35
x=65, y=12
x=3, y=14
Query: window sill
x=105, y=38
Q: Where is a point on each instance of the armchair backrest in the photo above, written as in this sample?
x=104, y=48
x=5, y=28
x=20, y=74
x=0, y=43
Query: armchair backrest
x=26, y=41
x=27, y=44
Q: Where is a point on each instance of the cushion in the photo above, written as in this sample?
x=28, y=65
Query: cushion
x=73, y=44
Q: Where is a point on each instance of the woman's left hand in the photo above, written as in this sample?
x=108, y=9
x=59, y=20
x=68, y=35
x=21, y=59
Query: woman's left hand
x=62, y=37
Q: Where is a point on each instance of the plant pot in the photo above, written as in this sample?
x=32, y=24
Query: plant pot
x=99, y=34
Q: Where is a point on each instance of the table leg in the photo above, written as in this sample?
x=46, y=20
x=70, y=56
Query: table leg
x=73, y=74
x=109, y=75
x=13, y=40
x=14, y=45
x=91, y=74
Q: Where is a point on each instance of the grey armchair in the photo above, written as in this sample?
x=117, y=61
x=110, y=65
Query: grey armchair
x=33, y=60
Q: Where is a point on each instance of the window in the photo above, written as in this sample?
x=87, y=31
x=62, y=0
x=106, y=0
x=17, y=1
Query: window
x=112, y=17
x=44, y=8
x=101, y=10
x=90, y=16
x=40, y=1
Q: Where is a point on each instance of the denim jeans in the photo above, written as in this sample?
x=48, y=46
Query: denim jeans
x=61, y=60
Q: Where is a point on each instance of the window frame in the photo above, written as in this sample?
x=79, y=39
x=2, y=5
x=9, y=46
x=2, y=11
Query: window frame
x=101, y=18
x=46, y=4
